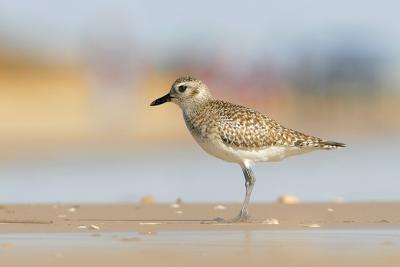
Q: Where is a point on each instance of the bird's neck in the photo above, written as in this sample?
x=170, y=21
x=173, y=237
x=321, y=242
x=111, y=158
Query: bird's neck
x=195, y=108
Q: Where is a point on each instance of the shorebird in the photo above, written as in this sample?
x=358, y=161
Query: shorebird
x=237, y=134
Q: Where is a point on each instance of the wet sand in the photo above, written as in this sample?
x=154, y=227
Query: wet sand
x=187, y=217
x=328, y=234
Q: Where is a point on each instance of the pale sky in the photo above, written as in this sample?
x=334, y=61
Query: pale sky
x=246, y=29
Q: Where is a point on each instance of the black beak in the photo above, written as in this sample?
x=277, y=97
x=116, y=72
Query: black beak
x=161, y=100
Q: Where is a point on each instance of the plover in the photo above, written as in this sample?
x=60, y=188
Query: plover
x=237, y=134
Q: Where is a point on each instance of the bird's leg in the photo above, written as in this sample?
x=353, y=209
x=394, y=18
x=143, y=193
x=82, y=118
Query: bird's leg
x=250, y=180
x=243, y=214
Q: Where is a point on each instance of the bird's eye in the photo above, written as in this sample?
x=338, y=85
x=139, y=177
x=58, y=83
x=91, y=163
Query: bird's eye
x=182, y=88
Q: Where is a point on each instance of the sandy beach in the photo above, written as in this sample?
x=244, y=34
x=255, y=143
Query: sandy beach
x=195, y=217
x=324, y=234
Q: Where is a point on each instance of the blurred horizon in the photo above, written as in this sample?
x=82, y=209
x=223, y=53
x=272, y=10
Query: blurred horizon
x=77, y=78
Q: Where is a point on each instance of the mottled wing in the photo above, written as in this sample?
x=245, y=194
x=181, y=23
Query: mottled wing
x=244, y=128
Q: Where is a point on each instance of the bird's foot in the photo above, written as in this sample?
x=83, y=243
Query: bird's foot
x=240, y=218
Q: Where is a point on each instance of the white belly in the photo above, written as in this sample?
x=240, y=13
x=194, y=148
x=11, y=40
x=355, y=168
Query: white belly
x=241, y=156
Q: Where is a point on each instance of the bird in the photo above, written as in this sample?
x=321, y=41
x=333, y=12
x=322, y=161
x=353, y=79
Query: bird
x=237, y=134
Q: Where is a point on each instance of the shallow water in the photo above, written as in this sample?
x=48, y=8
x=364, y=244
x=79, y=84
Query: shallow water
x=364, y=171
x=357, y=240
x=204, y=248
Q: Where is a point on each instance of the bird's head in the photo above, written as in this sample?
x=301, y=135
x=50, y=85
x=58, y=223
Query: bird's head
x=186, y=91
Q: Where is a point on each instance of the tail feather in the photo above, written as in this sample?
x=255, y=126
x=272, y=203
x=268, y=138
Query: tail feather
x=330, y=144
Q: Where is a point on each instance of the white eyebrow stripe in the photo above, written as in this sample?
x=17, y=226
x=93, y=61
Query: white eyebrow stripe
x=179, y=84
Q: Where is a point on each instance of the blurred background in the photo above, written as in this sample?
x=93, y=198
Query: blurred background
x=77, y=77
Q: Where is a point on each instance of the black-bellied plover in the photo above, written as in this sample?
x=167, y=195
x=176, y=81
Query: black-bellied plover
x=235, y=133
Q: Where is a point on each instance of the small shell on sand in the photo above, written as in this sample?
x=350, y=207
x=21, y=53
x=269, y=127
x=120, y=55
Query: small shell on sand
x=82, y=227
x=72, y=209
x=148, y=200
x=330, y=210
x=270, y=221
x=312, y=225
x=288, y=199
x=94, y=227
x=220, y=207
x=178, y=212
x=149, y=223
x=175, y=206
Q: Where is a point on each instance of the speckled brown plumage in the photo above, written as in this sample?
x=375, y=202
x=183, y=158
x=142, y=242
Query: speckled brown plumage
x=186, y=78
x=235, y=133
x=244, y=128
